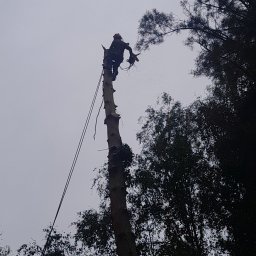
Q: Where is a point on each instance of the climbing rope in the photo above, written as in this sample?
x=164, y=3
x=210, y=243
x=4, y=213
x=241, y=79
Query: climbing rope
x=48, y=240
x=96, y=122
x=132, y=59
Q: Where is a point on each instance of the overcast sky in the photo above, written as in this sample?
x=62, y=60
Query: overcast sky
x=50, y=63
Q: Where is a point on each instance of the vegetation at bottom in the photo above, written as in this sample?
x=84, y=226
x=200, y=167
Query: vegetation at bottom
x=192, y=188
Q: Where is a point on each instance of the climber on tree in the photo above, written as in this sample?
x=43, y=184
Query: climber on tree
x=116, y=55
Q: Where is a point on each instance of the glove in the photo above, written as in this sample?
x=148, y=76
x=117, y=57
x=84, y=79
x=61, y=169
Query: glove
x=133, y=57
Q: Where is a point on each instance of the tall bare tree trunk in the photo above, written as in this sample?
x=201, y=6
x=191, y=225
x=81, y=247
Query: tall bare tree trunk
x=125, y=241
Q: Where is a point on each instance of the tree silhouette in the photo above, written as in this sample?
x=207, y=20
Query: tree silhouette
x=225, y=31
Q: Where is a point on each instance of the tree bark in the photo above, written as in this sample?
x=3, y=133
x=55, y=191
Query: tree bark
x=124, y=237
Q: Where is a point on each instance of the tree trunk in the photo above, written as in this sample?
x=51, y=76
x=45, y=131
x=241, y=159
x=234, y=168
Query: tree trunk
x=124, y=237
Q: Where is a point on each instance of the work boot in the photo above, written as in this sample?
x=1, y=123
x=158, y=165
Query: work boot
x=115, y=73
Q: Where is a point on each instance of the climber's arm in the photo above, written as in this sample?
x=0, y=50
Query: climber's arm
x=127, y=47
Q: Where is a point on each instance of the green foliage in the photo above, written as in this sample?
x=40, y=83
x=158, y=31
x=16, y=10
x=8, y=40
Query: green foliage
x=153, y=27
x=174, y=191
x=4, y=250
x=173, y=186
x=61, y=244
x=94, y=230
x=225, y=31
x=126, y=156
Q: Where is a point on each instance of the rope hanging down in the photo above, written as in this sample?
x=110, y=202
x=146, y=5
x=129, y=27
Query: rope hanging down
x=48, y=240
x=96, y=122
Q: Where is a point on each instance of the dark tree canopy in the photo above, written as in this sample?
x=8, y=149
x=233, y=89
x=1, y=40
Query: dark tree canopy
x=62, y=244
x=4, y=250
x=226, y=32
x=224, y=29
x=180, y=200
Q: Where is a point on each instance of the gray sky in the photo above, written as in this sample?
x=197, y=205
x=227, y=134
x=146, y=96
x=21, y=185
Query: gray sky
x=50, y=63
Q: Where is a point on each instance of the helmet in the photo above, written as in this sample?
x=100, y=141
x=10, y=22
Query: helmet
x=117, y=36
